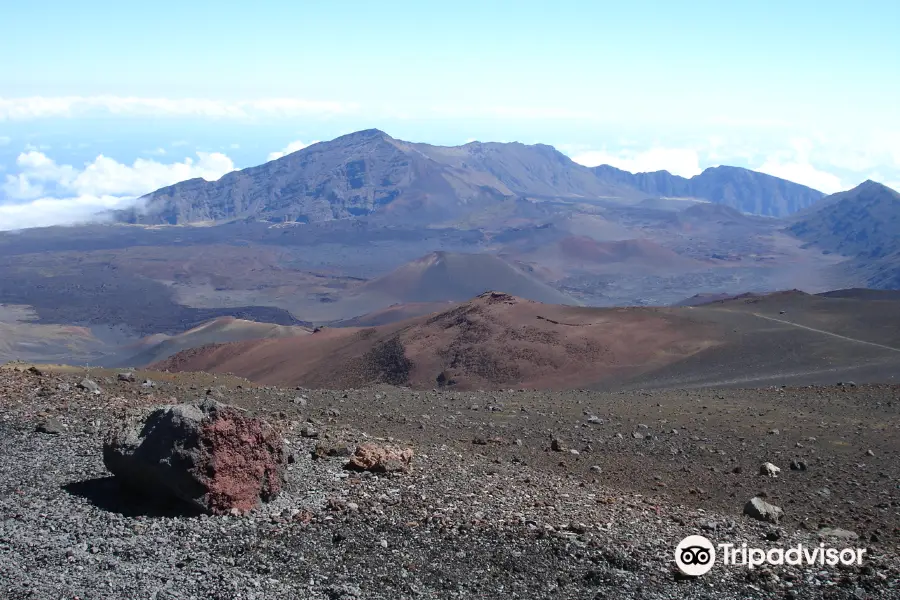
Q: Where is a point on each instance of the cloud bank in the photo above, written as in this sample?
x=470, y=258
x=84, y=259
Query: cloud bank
x=47, y=193
x=804, y=173
x=39, y=107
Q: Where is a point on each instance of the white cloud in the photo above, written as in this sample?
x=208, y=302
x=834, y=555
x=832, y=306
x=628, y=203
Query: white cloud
x=804, y=173
x=21, y=186
x=106, y=176
x=45, y=212
x=678, y=161
x=36, y=172
x=37, y=107
x=62, y=194
x=292, y=147
x=794, y=164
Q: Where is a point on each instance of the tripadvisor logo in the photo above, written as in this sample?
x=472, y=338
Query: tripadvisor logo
x=695, y=555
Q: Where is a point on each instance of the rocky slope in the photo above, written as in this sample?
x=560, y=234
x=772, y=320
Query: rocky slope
x=514, y=494
x=745, y=190
x=863, y=223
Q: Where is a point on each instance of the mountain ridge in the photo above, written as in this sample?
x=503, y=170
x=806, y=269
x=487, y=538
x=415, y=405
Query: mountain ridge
x=739, y=188
x=368, y=173
x=862, y=223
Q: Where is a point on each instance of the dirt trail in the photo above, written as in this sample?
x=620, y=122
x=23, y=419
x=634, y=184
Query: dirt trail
x=822, y=331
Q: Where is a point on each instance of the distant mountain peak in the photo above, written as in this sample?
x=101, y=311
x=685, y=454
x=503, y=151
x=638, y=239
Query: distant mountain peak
x=746, y=190
x=364, y=134
x=863, y=223
x=873, y=187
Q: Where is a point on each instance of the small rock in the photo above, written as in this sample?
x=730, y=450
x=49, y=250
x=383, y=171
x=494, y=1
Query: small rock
x=89, y=385
x=50, y=426
x=380, y=459
x=837, y=533
x=148, y=384
x=332, y=450
x=127, y=376
x=557, y=445
x=798, y=465
x=309, y=432
x=300, y=401
x=761, y=510
x=769, y=470
x=869, y=453
x=596, y=469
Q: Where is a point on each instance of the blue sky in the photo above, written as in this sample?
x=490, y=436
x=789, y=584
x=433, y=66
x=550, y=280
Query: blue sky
x=803, y=90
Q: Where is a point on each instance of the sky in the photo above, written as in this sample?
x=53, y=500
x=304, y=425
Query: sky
x=101, y=102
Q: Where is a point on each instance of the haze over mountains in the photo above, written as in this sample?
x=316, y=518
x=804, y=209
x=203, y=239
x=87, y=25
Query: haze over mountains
x=371, y=173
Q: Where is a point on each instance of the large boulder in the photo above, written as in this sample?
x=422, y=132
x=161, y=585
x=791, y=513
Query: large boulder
x=208, y=454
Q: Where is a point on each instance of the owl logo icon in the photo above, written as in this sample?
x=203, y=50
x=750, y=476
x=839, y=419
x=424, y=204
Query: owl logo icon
x=695, y=555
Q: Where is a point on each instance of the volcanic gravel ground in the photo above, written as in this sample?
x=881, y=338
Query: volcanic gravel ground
x=488, y=511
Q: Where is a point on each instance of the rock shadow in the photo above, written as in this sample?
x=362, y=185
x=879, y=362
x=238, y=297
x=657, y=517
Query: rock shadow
x=107, y=493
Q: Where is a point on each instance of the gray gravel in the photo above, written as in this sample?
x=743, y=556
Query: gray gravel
x=461, y=525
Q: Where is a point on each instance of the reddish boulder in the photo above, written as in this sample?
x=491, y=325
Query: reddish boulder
x=208, y=454
x=380, y=459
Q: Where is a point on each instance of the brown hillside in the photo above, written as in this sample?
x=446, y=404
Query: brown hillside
x=393, y=313
x=217, y=331
x=456, y=277
x=494, y=341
